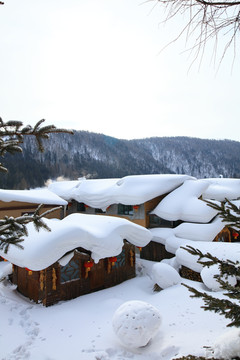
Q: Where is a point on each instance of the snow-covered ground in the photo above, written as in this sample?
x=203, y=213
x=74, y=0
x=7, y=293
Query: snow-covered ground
x=81, y=329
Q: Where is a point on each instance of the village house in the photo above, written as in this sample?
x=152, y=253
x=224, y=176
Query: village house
x=172, y=207
x=81, y=254
x=24, y=202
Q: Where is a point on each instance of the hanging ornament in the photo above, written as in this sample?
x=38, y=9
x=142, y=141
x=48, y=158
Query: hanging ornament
x=111, y=262
x=235, y=235
x=54, y=279
x=41, y=280
x=140, y=248
x=131, y=257
x=136, y=207
x=88, y=265
x=29, y=271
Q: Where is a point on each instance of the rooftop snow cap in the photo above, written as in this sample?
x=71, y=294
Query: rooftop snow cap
x=129, y=190
x=34, y=196
x=102, y=235
x=184, y=204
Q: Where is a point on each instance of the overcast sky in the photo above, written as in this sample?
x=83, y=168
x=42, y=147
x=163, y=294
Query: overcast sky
x=97, y=65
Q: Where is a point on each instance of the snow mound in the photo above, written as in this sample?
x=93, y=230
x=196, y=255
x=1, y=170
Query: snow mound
x=129, y=190
x=165, y=275
x=227, y=346
x=102, y=235
x=208, y=277
x=135, y=323
x=184, y=204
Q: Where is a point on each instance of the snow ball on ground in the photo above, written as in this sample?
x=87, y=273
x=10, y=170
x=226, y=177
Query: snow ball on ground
x=208, y=273
x=165, y=275
x=135, y=323
x=227, y=346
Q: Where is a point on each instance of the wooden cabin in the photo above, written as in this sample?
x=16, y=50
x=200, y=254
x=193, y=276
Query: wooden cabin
x=77, y=257
x=20, y=202
x=78, y=277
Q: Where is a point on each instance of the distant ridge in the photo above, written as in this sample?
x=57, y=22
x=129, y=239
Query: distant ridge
x=100, y=156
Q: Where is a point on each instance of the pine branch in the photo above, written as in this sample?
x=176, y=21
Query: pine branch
x=12, y=136
x=12, y=230
x=228, y=211
x=221, y=306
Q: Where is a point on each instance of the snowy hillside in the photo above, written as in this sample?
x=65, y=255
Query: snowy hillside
x=101, y=156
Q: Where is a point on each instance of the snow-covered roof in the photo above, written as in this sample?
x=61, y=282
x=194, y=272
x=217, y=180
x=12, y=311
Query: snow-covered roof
x=174, y=238
x=129, y=190
x=34, y=196
x=222, y=250
x=102, y=235
x=221, y=188
x=184, y=204
x=190, y=231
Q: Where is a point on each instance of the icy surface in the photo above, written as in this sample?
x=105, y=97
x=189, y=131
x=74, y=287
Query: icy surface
x=129, y=190
x=102, y=235
x=208, y=277
x=165, y=275
x=136, y=322
x=35, y=196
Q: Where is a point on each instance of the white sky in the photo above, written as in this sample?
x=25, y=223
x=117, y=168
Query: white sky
x=96, y=65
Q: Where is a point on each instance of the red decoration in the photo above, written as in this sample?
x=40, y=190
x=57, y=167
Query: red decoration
x=88, y=264
x=140, y=248
x=235, y=235
x=113, y=259
x=69, y=204
x=86, y=206
x=135, y=207
x=29, y=271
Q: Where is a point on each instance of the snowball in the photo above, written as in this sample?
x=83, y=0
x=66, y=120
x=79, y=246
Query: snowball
x=208, y=273
x=227, y=346
x=135, y=323
x=165, y=275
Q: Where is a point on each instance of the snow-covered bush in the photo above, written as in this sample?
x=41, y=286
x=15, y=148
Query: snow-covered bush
x=165, y=275
x=208, y=275
x=135, y=323
x=227, y=346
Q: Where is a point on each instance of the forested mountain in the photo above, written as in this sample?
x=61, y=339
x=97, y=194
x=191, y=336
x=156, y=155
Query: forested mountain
x=100, y=156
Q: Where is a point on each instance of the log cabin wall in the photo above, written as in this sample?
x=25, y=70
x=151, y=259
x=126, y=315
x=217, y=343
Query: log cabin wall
x=57, y=283
x=18, y=208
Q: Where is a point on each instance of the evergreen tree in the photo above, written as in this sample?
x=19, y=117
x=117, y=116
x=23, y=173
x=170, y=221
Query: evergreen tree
x=230, y=214
x=12, y=135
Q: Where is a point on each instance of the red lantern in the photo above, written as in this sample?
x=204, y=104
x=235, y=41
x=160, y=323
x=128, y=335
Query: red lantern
x=29, y=271
x=135, y=207
x=88, y=265
x=69, y=204
x=112, y=260
x=235, y=235
x=86, y=206
x=140, y=248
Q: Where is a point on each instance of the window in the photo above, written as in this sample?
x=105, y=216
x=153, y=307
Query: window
x=70, y=271
x=99, y=211
x=125, y=209
x=80, y=207
x=156, y=221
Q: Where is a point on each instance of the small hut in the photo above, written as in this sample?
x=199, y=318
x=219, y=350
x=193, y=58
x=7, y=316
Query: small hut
x=82, y=254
